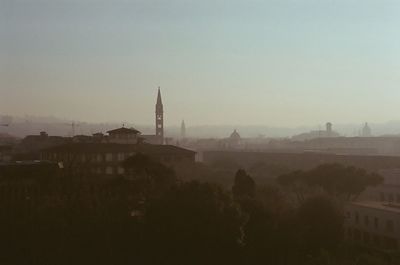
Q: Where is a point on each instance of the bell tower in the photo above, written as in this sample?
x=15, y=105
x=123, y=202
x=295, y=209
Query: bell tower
x=159, y=118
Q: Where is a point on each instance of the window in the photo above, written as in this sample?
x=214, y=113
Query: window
x=121, y=170
x=121, y=156
x=356, y=234
x=382, y=196
x=366, y=237
x=390, y=243
x=99, y=158
x=109, y=157
x=391, y=199
x=356, y=217
x=366, y=220
x=349, y=233
x=376, y=240
x=398, y=198
x=389, y=226
x=376, y=222
x=109, y=170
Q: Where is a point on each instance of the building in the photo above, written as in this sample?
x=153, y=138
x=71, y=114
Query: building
x=328, y=133
x=183, y=130
x=373, y=223
x=366, y=131
x=35, y=143
x=123, y=136
x=158, y=138
x=234, y=141
x=107, y=158
x=375, y=218
x=388, y=191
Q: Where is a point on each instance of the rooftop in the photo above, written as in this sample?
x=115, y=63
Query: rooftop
x=388, y=207
x=124, y=130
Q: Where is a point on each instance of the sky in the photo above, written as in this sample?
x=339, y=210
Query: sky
x=270, y=62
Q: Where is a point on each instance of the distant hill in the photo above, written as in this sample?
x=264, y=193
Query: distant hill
x=22, y=126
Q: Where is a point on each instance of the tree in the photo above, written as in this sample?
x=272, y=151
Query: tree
x=193, y=223
x=295, y=181
x=244, y=186
x=321, y=225
x=343, y=182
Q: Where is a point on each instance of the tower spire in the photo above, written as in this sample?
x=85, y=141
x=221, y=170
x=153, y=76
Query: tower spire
x=183, y=130
x=159, y=118
x=159, y=100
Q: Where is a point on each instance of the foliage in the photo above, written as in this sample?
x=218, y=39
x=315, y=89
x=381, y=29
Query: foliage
x=149, y=216
x=200, y=219
x=244, y=186
x=343, y=182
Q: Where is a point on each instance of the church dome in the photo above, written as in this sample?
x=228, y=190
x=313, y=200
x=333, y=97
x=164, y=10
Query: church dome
x=235, y=135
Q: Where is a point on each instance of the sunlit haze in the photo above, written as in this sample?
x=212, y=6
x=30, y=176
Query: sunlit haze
x=276, y=63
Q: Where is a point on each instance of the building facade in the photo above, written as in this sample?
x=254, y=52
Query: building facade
x=107, y=158
x=374, y=223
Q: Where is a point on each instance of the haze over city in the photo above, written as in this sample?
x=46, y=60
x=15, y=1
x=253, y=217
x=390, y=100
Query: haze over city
x=199, y=132
x=275, y=63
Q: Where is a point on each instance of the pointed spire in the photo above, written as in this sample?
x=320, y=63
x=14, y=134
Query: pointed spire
x=159, y=100
x=183, y=129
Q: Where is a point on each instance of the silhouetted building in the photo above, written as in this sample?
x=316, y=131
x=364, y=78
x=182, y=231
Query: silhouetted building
x=183, y=130
x=159, y=116
x=328, y=133
x=35, y=143
x=233, y=142
x=366, y=131
x=107, y=158
x=123, y=136
x=329, y=129
x=158, y=138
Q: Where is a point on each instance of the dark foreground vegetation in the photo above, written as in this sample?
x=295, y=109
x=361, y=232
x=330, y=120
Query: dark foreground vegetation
x=149, y=216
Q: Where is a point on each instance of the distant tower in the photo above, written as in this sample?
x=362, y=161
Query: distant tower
x=183, y=130
x=366, y=131
x=329, y=129
x=159, y=118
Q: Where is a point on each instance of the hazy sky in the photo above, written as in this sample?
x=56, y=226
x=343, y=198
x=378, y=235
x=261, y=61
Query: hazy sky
x=277, y=63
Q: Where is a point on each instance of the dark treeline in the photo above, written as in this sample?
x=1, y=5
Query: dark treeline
x=149, y=216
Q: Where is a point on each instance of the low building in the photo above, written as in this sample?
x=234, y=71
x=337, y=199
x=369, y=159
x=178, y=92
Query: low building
x=107, y=158
x=5, y=153
x=374, y=223
x=35, y=143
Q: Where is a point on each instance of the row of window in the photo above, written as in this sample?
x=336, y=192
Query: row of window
x=109, y=170
x=372, y=239
x=389, y=197
x=369, y=221
x=108, y=157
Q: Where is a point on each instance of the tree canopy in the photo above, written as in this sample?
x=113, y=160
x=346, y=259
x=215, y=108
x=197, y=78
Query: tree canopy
x=344, y=182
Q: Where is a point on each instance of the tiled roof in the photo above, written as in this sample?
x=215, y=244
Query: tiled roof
x=124, y=130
